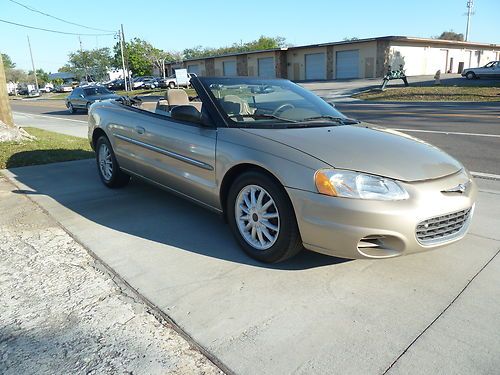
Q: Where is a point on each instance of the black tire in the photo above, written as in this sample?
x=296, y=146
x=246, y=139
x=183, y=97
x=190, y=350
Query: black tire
x=117, y=178
x=71, y=109
x=288, y=241
x=470, y=75
x=171, y=85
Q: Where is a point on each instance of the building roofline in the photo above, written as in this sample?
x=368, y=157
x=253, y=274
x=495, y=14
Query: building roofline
x=390, y=38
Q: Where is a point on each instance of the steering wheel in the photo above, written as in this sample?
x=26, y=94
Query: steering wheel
x=282, y=107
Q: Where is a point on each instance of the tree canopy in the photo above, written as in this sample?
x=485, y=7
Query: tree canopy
x=263, y=43
x=89, y=64
x=7, y=62
x=450, y=35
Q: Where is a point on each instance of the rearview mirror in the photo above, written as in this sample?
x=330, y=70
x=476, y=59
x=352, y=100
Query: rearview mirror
x=186, y=113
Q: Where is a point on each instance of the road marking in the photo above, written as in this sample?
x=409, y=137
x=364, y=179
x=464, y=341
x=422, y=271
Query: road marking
x=488, y=176
x=445, y=132
x=423, y=114
x=32, y=115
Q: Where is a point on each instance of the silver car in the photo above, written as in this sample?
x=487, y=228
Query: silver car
x=286, y=169
x=490, y=70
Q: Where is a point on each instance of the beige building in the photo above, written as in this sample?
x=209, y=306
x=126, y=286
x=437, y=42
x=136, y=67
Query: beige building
x=362, y=58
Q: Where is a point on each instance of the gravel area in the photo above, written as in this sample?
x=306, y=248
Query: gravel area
x=60, y=314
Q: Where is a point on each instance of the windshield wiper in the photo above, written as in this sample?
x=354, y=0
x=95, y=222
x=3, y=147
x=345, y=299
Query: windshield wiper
x=264, y=115
x=340, y=120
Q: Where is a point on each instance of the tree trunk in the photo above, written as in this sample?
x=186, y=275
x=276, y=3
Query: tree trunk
x=5, y=111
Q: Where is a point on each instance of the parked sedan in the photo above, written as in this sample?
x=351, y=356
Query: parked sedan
x=83, y=97
x=287, y=170
x=490, y=70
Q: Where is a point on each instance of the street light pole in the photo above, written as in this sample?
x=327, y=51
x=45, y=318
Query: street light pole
x=33, y=64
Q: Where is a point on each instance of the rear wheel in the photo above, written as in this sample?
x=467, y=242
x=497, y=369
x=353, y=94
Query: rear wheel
x=109, y=171
x=262, y=219
x=470, y=75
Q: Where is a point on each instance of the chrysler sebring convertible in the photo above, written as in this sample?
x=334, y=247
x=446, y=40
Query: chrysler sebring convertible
x=286, y=170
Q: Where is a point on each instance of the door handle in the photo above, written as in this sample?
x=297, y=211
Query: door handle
x=140, y=130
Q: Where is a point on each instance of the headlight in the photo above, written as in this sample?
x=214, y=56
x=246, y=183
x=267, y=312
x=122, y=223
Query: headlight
x=347, y=184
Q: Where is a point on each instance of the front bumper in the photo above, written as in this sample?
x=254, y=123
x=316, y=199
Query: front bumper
x=355, y=228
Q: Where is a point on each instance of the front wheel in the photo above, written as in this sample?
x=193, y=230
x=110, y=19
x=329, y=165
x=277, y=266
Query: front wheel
x=71, y=109
x=470, y=75
x=171, y=85
x=262, y=219
x=109, y=171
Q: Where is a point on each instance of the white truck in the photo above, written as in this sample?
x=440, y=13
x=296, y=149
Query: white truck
x=180, y=78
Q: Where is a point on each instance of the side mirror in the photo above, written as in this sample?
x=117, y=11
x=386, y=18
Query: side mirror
x=186, y=113
x=82, y=96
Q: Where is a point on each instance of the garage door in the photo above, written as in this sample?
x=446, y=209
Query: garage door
x=316, y=66
x=347, y=64
x=193, y=69
x=266, y=67
x=229, y=68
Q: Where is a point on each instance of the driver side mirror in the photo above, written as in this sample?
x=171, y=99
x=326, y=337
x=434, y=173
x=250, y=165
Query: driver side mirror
x=187, y=113
x=82, y=96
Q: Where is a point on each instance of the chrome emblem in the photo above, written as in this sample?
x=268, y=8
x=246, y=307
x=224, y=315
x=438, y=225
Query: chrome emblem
x=460, y=188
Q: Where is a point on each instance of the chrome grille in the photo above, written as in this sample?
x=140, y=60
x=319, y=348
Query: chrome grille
x=442, y=228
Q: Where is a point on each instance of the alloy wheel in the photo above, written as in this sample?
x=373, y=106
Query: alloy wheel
x=257, y=217
x=105, y=162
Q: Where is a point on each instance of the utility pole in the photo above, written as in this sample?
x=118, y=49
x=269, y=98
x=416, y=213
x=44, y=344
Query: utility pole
x=470, y=4
x=33, y=64
x=128, y=84
x=5, y=111
x=120, y=33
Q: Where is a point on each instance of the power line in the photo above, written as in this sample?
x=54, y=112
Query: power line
x=57, y=18
x=53, y=31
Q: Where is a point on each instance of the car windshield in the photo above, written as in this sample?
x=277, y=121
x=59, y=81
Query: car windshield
x=89, y=91
x=250, y=102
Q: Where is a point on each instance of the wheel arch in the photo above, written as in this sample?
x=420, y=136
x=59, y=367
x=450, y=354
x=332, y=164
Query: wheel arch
x=232, y=174
x=96, y=134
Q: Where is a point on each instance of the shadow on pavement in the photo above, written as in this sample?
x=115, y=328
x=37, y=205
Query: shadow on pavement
x=65, y=112
x=147, y=212
x=37, y=157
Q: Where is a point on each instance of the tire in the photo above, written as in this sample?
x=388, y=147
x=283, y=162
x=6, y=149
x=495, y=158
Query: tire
x=71, y=109
x=87, y=107
x=109, y=171
x=171, y=85
x=470, y=75
x=284, y=239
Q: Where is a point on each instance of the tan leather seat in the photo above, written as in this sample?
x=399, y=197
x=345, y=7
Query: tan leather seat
x=148, y=106
x=162, y=105
x=177, y=97
x=234, y=105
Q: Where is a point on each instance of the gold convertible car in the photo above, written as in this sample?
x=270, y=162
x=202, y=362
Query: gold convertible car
x=286, y=169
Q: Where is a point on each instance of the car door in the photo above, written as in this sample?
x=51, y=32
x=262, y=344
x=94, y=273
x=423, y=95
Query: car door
x=178, y=155
x=75, y=97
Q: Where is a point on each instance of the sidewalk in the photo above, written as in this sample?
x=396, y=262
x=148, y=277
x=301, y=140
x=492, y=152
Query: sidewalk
x=432, y=313
x=62, y=314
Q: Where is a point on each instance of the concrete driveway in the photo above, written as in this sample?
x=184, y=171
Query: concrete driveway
x=432, y=313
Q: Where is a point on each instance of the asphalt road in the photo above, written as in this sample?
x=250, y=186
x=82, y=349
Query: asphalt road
x=468, y=131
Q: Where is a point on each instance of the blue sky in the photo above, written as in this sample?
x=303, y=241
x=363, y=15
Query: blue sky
x=173, y=25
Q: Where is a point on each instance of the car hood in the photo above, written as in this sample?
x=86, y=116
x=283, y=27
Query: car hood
x=103, y=97
x=369, y=149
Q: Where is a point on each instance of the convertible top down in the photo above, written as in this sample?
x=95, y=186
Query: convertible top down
x=286, y=169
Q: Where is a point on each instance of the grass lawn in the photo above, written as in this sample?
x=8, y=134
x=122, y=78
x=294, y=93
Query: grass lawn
x=434, y=94
x=49, y=147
